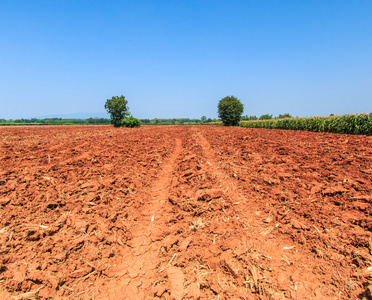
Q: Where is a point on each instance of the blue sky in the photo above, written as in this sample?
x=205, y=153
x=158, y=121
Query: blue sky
x=174, y=59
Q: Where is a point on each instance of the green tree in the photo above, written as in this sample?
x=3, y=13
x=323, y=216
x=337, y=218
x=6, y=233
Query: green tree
x=287, y=115
x=249, y=118
x=230, y=110
x=266, y=117
x=118, y=109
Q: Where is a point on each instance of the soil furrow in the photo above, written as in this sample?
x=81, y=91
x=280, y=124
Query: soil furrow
x=139, y=268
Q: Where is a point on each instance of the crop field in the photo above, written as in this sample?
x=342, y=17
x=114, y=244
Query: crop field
x=350, y=124
x=184, y=212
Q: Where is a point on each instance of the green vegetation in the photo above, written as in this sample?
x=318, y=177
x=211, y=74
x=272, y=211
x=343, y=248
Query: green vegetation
x=56, y=121
x=349, y=124
x=266, y=117
x=103, y=121
x=179, y=121
x=230, y=110
x=285, y=116
x=131, y=122
x=249, y=118
x=118, y=109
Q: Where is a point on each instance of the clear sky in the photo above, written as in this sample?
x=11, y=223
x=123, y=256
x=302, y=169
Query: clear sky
x=173, y=59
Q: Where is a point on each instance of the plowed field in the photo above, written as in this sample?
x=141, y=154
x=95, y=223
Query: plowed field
x=184, y=212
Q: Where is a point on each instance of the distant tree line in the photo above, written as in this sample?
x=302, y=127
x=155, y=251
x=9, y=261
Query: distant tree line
x=55, y=121
x=266, y=117
x=178, y=121
x=156, y=121
x=103, y=121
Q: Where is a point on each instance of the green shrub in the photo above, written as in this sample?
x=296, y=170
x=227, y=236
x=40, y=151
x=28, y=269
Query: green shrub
x=131, y=122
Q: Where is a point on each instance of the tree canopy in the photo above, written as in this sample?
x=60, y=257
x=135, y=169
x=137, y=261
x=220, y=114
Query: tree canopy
x=266, y=117
x=230, y=110
x=118, y=109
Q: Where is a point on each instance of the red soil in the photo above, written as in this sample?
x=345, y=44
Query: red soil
x=184, y=212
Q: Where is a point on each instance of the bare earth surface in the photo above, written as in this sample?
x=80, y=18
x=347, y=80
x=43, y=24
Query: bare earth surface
x=184, y=212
